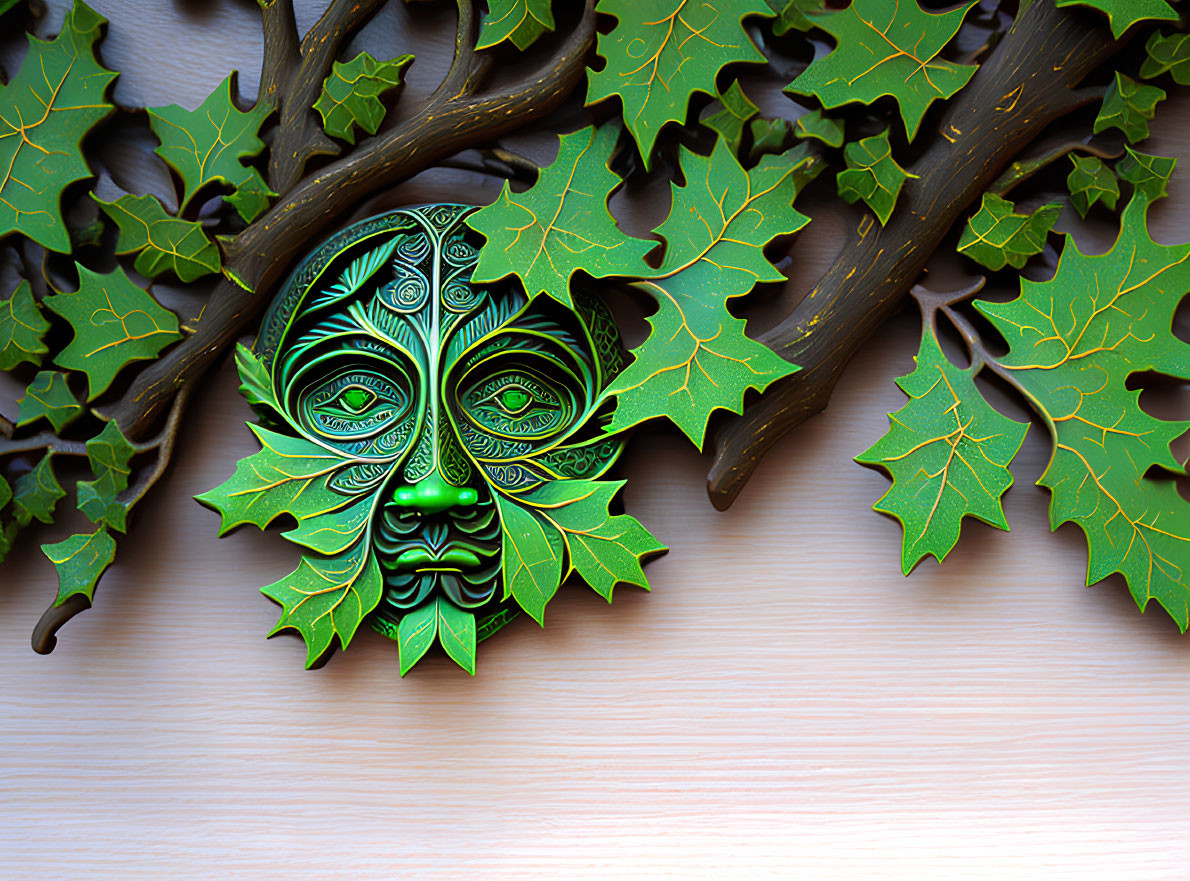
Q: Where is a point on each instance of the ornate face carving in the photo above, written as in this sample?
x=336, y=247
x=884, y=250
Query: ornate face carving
x=436, y=421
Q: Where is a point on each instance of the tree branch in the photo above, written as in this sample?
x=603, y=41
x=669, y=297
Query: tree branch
x=280, y=58
x=454, y=120
x=1030, y=80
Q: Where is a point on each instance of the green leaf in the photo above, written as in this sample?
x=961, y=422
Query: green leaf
x=256, y=383
x=816, y=125
x=872, y=175
x=80, y=560
x=947, y=452
x=1073, y=343
x=115, y=323
x=1167, y=54
x=605, y=549
x=1089, y=182
x=886, y=49
x=5, y=492
x=663, y=51
x=109, y=454
x=560, y=224
x=794, y=15
x=49, y=395
x=36, y=494
x=22, y=329
x=1122, y=14
x=1128, y=106
x=697, y=358
x=729, y=122
x=161, y=242
x=415, y=634
x=996, y=237
x=206, y=146
x=771, y=136
x=288, y=476
x=326, y=598
x=456, y=632
x=47, y=109
x=521, y=21
x=351, y=94
x=532, y=557
x=1147, y=174
x=6, y=5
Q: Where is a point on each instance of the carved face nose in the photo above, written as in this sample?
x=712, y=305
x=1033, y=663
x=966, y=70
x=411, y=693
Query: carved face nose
x=433, y=495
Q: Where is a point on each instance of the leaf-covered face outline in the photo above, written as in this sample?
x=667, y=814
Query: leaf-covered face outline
x=437, y=441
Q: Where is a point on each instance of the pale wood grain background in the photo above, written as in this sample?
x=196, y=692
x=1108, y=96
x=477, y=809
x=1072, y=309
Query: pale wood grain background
x=783, y=704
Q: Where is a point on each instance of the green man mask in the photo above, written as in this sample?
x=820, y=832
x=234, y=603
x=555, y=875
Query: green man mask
x=438, y=442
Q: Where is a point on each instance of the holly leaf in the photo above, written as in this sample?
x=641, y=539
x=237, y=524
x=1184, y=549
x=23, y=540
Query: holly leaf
x=997, y=237
x=560, y=224
x=1167, y=55
x=49, y=395
x=456, y=632
x=115, y=322
x=47, y=109
x=1128, y=106
x=1089, y=182
x=947, y=452
x=794, y=15
x=872, y=175
x=663, y=51
x=108, y=454
x=729, y=122
x=886, y=49
x=36, y=494
x=605, y=549
x=350, y=95
x=1122, y=14
x=532, y=557
x=161, y=242
x=697, y=359
x=520, y=21
x=80, y=560
x=22, y=329
x=1073, y=343
x=326, y=598
x=816, y=125
x=1147, y=174
x=288, y=476
x=207, y=146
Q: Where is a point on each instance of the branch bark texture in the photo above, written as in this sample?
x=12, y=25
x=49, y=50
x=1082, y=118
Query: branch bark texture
x=1029, y=81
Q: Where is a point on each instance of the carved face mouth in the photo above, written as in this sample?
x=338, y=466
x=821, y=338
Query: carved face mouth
x=456, y=553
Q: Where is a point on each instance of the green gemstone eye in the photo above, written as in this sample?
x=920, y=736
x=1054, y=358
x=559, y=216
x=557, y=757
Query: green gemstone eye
x=513, y=400
x=356, y=399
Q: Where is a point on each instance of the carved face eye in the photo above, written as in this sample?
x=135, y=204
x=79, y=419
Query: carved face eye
x=520, y=403
x=355, y=403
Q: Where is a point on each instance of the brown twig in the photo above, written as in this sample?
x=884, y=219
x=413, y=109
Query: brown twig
x=47, y=441
x=1030, y=80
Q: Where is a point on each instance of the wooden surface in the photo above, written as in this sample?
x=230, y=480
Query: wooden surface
x=783, y=704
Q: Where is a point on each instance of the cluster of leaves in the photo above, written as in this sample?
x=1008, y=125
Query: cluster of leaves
x=1074, y=342
x=59, y=97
